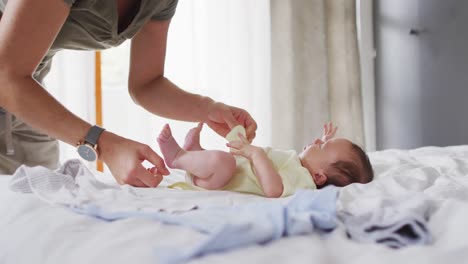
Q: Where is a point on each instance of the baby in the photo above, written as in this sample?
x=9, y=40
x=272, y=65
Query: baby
x=266, y=171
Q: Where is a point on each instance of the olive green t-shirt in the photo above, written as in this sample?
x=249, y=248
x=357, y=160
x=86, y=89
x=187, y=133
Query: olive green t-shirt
x=93, y=25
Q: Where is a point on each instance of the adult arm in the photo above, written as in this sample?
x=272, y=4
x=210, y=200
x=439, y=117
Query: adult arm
x=27, y=30
x=157, y=94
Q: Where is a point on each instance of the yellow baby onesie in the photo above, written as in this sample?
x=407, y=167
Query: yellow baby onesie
x=293, y=175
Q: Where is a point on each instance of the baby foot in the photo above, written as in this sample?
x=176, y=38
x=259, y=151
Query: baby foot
x=169, y=147
x=192, y=139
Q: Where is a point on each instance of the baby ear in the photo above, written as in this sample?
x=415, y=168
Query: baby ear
x=320, y=178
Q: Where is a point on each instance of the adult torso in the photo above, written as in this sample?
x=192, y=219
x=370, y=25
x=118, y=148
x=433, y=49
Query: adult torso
x=102, y=24
x=126, y=9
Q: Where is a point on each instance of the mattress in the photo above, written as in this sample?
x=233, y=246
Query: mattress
x=32, y=231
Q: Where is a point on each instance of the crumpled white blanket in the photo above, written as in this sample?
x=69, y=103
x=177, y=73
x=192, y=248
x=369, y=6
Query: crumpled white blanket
x=396, y=223
x=61, y=236
x=74, y=185
x=410, y=188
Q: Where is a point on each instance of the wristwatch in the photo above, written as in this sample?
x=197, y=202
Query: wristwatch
x=87, y=148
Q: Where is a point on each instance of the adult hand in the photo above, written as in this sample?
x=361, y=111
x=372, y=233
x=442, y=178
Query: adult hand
x=222, y=118
x=124, y=158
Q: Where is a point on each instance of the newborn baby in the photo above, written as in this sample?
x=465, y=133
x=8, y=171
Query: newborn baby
x=265, y=171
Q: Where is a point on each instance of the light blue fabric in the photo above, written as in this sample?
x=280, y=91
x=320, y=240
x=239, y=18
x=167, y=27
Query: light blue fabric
x=231, y=227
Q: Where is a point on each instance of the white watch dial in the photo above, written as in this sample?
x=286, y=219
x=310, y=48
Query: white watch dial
x=87, y=152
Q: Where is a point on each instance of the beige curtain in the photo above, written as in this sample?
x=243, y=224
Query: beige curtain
x=315, y=71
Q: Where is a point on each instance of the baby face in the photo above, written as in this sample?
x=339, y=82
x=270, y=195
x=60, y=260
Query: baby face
x=317, y=156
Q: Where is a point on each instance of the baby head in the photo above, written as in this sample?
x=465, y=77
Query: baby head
x=336, y=161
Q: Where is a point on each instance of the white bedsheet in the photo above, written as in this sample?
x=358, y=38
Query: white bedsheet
x=32, y=231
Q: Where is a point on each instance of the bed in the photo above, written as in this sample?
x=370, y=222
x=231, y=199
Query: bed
x=32, y=231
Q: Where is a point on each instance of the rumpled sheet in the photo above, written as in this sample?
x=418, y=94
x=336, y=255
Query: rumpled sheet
x=411, y=186
x=226, y=227
x=74, y=185
x=397, y=223
x=32, y=231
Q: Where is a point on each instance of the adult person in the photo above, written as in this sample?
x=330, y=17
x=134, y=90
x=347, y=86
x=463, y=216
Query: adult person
x=32, y=32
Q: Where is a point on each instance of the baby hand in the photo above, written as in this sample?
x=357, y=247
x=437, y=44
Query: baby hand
x=242, y=147
x=329, y=131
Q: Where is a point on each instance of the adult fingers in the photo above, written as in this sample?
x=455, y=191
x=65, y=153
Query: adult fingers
x=220, y=129
x=154, y=158
x=156, y=173
x=250, y=130
x=249, y=123
x=130, y=180
x=200, y=125
x=148, y=178
x=229, y=119
x=136, y=182
x=153, y=170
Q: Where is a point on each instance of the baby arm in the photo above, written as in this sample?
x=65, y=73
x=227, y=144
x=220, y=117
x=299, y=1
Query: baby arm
x=329, y=131
x=269, y=178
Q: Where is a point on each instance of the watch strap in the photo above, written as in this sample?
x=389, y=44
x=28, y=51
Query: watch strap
x=93, y=135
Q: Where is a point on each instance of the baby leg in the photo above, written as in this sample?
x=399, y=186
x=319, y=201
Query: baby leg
x=218, y=169
x=192, y=139
x=212, y=169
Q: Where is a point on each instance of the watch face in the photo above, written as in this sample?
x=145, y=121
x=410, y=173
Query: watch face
x=87, y=152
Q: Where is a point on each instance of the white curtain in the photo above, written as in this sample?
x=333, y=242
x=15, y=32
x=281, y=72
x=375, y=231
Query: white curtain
x=218, y=48
x=315, y=70
x=71, y=80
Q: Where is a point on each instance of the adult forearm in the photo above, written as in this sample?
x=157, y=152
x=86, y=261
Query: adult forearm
x=164, y=98
x=29, y=101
